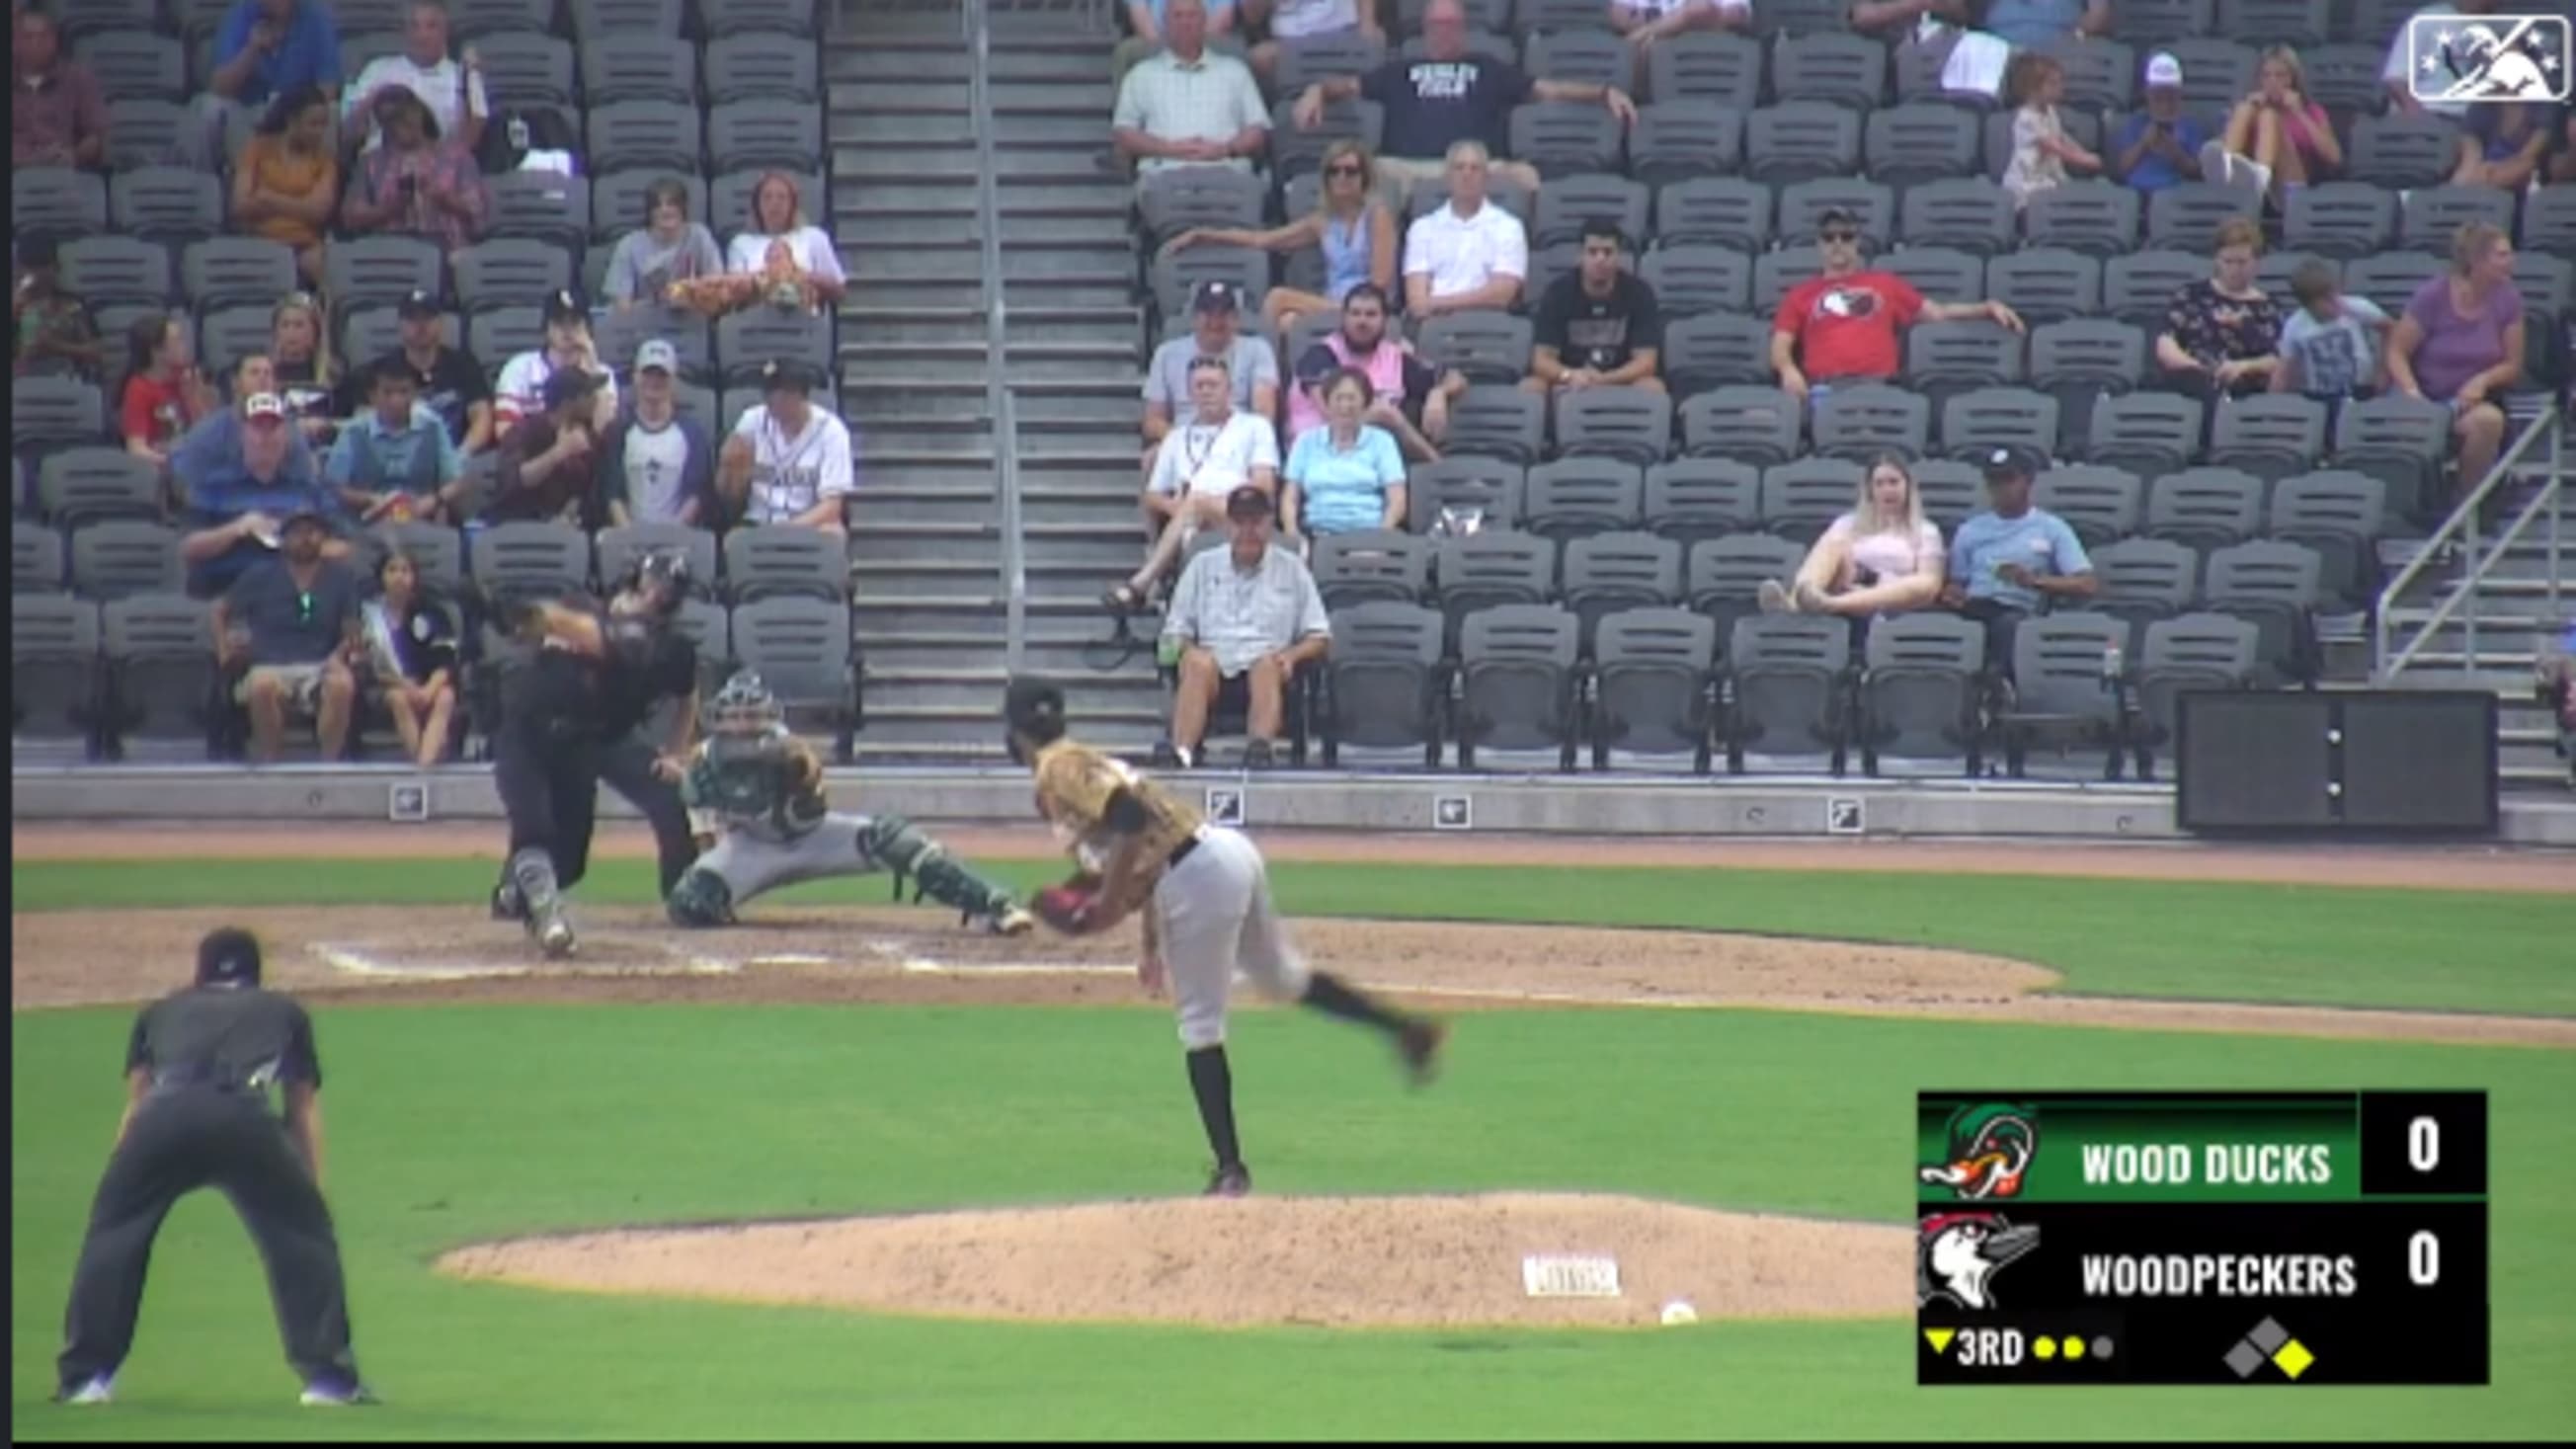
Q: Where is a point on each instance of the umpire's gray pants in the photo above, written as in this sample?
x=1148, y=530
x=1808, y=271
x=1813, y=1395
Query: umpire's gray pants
x=1213, y=915
x=749, y=865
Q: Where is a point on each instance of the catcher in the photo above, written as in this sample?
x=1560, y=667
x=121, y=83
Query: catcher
x=760, y=791
x=1204, y=897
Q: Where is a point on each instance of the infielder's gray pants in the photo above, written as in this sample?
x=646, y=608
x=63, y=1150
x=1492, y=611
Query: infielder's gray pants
x=749, y=865
x=1213, y=915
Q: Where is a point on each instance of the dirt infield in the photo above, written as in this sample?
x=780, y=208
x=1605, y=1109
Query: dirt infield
x=1409, y=1262
x=1418, y=1262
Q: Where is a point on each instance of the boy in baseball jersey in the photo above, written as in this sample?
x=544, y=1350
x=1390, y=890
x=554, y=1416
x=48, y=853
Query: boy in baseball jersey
x=788, y=461
x=1203, y=894
x=759, y=789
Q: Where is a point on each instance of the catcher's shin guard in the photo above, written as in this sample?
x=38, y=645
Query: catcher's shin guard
x=701, y=898
x=898, y=845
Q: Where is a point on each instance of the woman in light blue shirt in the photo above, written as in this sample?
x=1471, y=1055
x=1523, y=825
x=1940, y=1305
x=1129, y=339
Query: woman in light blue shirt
x=1346, y=476
x=1359, y=238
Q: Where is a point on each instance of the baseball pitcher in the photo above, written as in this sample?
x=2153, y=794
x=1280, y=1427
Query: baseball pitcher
x=1204, y=896
x=759, y=790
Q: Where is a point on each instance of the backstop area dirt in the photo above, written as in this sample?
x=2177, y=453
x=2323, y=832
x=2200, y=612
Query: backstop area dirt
x=1414, y=1261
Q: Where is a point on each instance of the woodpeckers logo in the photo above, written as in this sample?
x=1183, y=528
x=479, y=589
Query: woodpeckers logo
x=1960, y=1254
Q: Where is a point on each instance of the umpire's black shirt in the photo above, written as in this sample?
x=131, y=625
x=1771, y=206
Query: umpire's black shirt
x=224, y=1038
x=572, y=696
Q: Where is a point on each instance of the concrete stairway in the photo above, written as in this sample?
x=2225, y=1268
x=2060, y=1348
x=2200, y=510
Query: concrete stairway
x=926, y=559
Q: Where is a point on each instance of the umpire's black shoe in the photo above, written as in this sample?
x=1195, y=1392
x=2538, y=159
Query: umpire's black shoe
x=1231, y=1180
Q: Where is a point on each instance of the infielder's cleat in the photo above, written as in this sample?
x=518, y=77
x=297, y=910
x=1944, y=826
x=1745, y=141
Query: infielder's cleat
x=99, y=1390
x=1013, y=922
x=1234, y=1180
x=1420, y=1045
x=336, y=1394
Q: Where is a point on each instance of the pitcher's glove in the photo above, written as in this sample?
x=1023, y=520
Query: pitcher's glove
x=1071, y=908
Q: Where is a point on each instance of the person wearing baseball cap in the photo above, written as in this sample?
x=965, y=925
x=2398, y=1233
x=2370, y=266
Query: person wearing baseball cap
x=788, y=461
x=548, y=467
x=448, y=381
x=395, y=461
x=2160, y=146
x=1847, y=324
x=1252, y=366
x=2013, y=560
x=1235, y=658
x=568, y=347
x=291, y=623
x=198, y=1066
x=657, y=464
x=245, y=469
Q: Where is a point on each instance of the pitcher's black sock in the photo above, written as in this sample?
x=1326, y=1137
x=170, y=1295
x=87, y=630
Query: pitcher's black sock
x=1212, y=1082
x=1327, y=994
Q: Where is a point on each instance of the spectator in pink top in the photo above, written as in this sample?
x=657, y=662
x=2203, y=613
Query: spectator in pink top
x=1410, y=397
x=2278, y=139
x=2461, y=342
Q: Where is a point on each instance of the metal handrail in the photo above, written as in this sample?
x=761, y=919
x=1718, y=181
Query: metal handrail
x=999, y=399
x=2464, y=521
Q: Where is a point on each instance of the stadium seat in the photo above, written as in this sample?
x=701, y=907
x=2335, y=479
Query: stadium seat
x=1788, y=681
x=2341, y=219
x=1487, y=346
x=1566, y=203
x=1694, y=278
x=2068, y=688
x=718, y=19
x=1758, y=425
x=643, y=133
x=1519, y=687
x=595, y=20
x=1951, y=491
x=145, y=131
x=749, y=341
x=2144, y=579
x=2102, y=504
x=511, y=272
x=162, y=678
x=2187, y=217
x=1776, y=272
x=107, y=271
x=35, y=558
x=1861, y=420
x=2270, y=435
x=764, y=132
x=2192, y=651
x=2205, y=509
x=1920, y=142
x=1801, y=140
x=1921, y=692
x=1944, y=359
x=165, y=203
x=56, y=674
x=1838, y=68
x=2338, y=513
x=802, y=649
x=763, y=563
x=1968, y=213
x=1723, y=69
x=2430, y=216
x=530, y=560
x=1802, y=497
x=1694, y=499
x=1498, y=420
x=380, y=270
x=1726, y=575
x=761, y=64
x=1710, y=349
x=123, y=557
x=496, y=336
x=1726, y=211
x=1980, y=420
x=1495, y=566
x=1632, y=424
x=2298, y=23
x=1582, y=57
x=1681, y=140
x=1295, y=151
x=1383, y=684
x=2139, y=287
x=233, y=270
x=528, y=68
x=2101, y=73
x=639, y=66
x=1609, y=572
x=2217, y=70
x=82, y=485
x=2391, y=278
x=550, y=207
x=1463, y=494
x=1304, y=60
x=2273, y=585
x=1576, y=497
x=1653, y=685
x=2402, y=152
x=1939, y=273
x=1173, y=201
x=618, y=548
x=2400, y=440
x=2047, y=285
x=2096, y=218
x=54, y=412
x=57, y=200
x=1371, y=566
x=437, y=553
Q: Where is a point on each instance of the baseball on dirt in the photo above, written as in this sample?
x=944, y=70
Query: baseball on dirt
x=1679, y=1311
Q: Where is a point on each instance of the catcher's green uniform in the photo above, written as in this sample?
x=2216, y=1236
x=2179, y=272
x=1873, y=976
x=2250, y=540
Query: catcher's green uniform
x=762, y=794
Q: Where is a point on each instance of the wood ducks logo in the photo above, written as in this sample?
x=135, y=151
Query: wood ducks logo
x=1991, y=1148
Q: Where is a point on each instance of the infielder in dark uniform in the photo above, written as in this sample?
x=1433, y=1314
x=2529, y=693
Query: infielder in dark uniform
x=198, y=1070
x=759, y=791
x=1204, y=896
x=569, y=722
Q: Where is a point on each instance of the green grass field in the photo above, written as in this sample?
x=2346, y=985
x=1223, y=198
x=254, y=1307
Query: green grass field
x=453, y=1124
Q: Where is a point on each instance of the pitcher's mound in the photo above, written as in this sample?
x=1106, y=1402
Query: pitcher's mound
x=1340, y=1262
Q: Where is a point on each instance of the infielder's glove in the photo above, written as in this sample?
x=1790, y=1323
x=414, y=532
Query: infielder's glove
x=1071, y=909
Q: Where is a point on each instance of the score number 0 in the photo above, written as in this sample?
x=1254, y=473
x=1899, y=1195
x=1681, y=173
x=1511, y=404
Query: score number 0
x=2424, y=1153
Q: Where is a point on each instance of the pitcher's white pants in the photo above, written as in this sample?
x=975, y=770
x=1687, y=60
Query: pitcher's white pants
x=1213, y=914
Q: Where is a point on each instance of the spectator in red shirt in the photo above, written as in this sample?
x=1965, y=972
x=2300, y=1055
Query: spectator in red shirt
x=165, y=394
x=1843, y=326
x=57, y=116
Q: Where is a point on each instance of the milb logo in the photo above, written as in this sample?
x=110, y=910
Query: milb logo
x=2453, y=58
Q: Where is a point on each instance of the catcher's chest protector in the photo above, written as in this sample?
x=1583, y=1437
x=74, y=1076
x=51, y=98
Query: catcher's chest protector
x=750, y=784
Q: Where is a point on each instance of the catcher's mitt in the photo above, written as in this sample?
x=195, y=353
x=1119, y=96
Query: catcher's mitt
x=1070, y=908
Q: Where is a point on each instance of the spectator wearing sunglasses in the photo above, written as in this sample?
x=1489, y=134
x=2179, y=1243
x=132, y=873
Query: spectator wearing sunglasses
x=292, y=625
x=1845, y=325
x=1356, y=233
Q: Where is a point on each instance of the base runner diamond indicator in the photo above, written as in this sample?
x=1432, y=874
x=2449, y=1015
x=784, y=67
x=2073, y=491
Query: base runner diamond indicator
x=2294, y=1358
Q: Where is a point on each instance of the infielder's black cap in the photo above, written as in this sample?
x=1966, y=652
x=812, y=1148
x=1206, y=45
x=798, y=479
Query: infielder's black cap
x=1033, y=706
x=228, y=957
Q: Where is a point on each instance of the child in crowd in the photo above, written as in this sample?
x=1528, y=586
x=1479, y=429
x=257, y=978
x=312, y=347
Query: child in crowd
x=2035, y=85
x=2330, y=346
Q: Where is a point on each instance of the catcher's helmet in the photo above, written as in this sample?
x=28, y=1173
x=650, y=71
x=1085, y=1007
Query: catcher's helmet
x=745, y=706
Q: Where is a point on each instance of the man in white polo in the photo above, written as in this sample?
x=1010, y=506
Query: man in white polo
x=1469, y=255
x=1217, y=450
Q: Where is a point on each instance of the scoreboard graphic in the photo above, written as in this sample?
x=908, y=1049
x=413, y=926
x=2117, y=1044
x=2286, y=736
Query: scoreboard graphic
x=2263, y=1238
